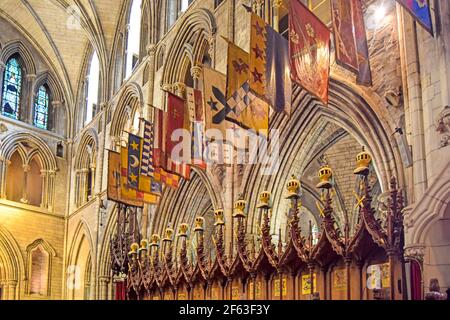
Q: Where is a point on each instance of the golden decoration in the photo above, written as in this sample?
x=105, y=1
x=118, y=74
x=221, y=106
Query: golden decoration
x=363, y=161
x=264, y=200
x=199, y=223
x=293, y=188
x=218, y=214
x=325, y=176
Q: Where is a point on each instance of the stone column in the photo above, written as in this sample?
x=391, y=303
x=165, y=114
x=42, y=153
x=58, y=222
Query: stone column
x=3, y=165
x=11, y=288
x=166, y=88
x=415, y=104
x=26, y=170
x=2, y=70
x=55, y=119
x=151, y=51
x=51, y=190
x=104, y=282
x=196, y=72
x=44, y=195
x=28, y=93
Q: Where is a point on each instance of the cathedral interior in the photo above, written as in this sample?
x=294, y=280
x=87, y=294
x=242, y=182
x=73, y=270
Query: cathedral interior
x=363, y=182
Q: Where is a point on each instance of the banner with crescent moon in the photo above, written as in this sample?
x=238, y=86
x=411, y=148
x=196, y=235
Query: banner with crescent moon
x=128, y=195
x=134, y=160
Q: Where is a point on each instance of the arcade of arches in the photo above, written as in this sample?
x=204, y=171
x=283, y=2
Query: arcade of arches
x=76, y=77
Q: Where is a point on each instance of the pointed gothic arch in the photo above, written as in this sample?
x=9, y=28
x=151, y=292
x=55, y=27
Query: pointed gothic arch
x=13, y=266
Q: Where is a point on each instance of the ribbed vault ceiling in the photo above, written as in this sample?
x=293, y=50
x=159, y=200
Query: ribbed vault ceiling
x=62, y=30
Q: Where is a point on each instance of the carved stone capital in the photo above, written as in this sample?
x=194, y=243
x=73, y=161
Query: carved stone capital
x=443, y=127
x=26, y=168
x=103, y=106
x=180, y=89
x=415, y=252
x=30, y=77
x=167, y=87
x=56, y=104
x=3, y=128
x=151, y=49
x=196, y=72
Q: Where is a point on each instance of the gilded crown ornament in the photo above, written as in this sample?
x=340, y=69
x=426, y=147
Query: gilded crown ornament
x=168, y=235
x=218, y=215
x=239, y=209
x=144, y=245
x=264, y=200
x=363, y=161
x=199, y=223
x=155, y=241
x=293, y=188
x=325, y=176
x=182, y=232
x=134, y=249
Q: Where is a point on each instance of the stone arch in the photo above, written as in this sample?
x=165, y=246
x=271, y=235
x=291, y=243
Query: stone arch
x=13, y=267
x=88, y=140
x=197, y=29
x=85, y=166
x=51, y=254
x=18, y=47
x=81, y=247
x=131, y=100
x=29, y=147
x=432, y=208
x=346, y=108
x=104, y=260
x=58, y=109
x=203, y=200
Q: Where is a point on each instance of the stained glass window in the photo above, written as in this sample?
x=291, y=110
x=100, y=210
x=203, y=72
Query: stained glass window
x=12, y=86
x=41, y=108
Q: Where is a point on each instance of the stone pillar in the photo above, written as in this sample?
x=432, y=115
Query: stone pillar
x=26, y=170
x=51, y=190
x=44, y=195
x=104, y=282
x=28, y=93
x=166, y=88
x=3, y=165
x=11, y=288
x=151, y=51
x=54, y=118
x=196, y=72
x=2, y=70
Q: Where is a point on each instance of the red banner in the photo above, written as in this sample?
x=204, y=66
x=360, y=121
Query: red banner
x=344, y=36
x=309, y=46
x=176, y=118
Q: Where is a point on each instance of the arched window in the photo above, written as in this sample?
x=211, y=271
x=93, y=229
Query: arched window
x=92, y=89
x=134, y=37
x=24, y=181
x=12, y=88
x=41, y=105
